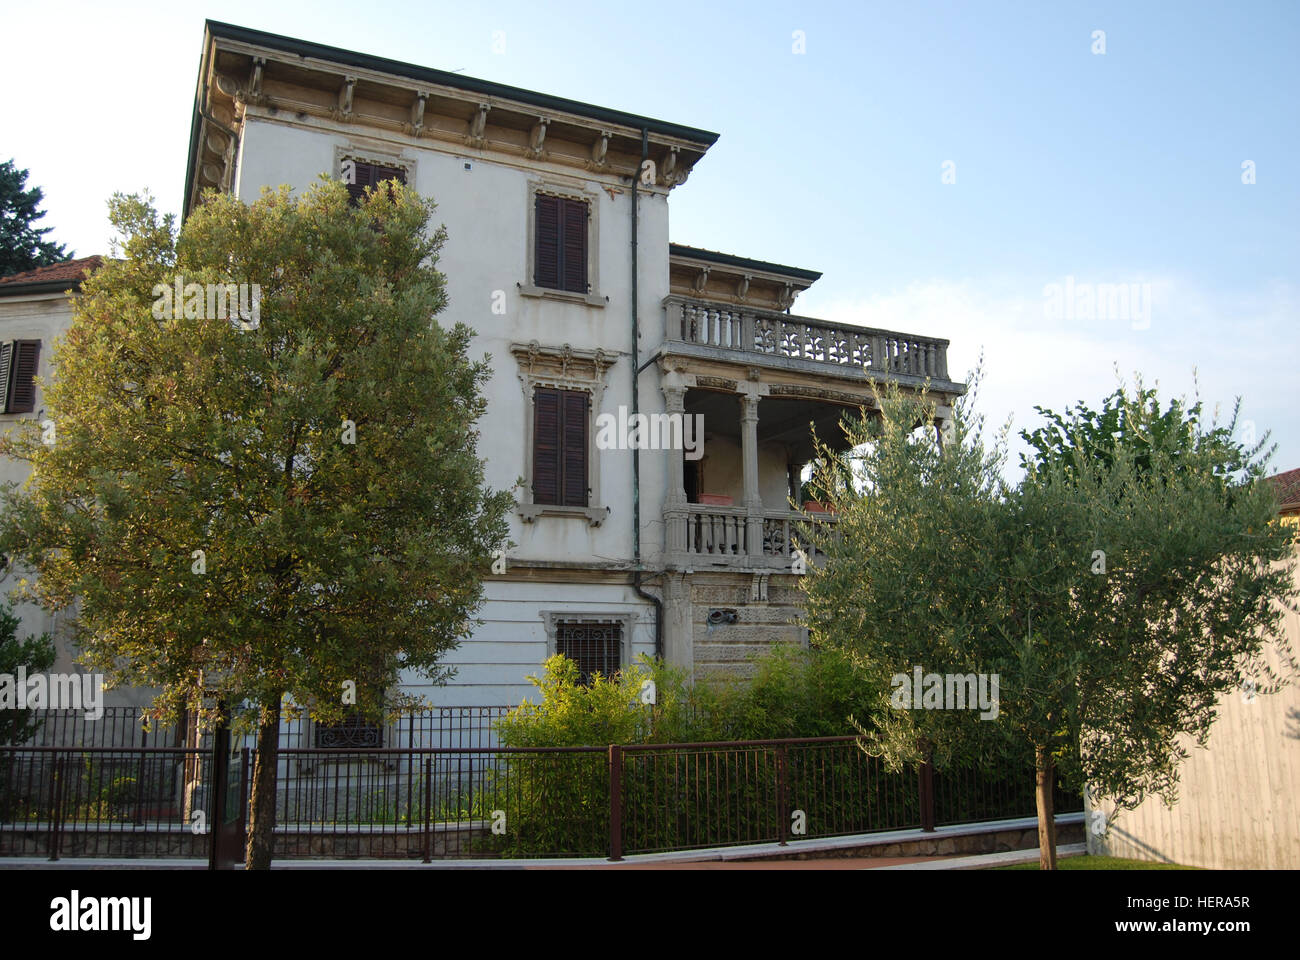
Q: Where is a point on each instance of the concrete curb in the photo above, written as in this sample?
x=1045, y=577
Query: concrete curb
x=986, y=860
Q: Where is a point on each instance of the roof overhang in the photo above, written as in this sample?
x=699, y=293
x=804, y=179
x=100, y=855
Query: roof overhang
x=242, y=68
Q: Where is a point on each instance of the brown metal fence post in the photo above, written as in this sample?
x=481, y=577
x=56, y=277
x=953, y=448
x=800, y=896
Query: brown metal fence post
x=56, y=803
x=139, y=779
x=219, y=778
x=781, y=812
x=426, y=787
x=925, y=783
x=246, y=764
x=615, y=802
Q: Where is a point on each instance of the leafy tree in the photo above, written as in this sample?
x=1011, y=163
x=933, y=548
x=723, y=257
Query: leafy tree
x=1127, y=583
x=22, y=246
x=907, y=580
x=290, y=504
x=1125, y=420
x=34, y=653
x=1149, y=579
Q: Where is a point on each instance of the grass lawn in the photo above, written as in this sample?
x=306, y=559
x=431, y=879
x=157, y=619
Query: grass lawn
x=1100, y=863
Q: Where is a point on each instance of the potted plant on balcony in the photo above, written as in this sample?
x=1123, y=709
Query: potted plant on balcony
x=829, y=475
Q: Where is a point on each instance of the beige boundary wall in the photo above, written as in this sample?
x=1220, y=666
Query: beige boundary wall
x=1239, y=798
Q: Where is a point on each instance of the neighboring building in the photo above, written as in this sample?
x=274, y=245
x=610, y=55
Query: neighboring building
x=35, y=309
x=1236, y=808
x=537, y=194
x=1287, y=486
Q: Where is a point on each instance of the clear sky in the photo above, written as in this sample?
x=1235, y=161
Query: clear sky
x=1122, y=168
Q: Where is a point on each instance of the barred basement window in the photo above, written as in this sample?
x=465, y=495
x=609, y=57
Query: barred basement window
x=595, y=647
x=353, y=733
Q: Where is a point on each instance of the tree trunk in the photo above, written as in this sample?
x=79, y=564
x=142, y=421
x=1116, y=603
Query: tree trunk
x=261, y=833
x=1045, y=779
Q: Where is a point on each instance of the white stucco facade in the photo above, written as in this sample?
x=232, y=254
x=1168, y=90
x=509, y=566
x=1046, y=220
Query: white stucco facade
x=715, y=340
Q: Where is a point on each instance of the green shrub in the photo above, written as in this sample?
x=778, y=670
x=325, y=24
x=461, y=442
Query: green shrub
x=794, y=693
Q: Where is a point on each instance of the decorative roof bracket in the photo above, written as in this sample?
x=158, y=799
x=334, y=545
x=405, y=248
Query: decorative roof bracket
x=478, y=124
x=600, y=149
x=344, y=111
x=537, y=137
x=417, y=112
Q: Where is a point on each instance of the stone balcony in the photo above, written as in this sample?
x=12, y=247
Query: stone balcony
x=702, y=537
x=755, y=336
x=763, y=381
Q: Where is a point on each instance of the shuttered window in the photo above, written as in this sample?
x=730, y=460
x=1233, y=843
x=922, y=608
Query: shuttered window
x=595, y=647
x=369, y=175
x=560, y=446
x=560, y=251
x=19, y=360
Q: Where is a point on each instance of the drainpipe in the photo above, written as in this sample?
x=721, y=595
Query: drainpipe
x=636, y=408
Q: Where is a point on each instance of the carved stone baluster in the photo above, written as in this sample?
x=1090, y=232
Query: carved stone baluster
x=676, y=324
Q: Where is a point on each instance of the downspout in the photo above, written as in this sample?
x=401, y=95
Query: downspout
x=636, y=408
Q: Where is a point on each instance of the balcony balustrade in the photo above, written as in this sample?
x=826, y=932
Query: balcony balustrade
x=755, y=334
x=705, y=535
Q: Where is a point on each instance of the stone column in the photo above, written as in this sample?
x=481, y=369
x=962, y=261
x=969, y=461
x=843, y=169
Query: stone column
x=675, y=507
x=749, y=464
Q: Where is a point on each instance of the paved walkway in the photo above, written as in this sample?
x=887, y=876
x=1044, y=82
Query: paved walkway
x=833, y=853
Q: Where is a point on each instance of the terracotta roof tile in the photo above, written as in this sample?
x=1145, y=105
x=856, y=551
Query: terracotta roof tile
x=70, y=270
x=1288, y=487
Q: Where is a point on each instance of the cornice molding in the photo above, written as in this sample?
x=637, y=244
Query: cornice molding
x=243, y=74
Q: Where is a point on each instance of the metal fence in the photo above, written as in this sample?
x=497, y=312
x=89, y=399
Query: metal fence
x=104, y=801
x=431, y=802
x=450, y=727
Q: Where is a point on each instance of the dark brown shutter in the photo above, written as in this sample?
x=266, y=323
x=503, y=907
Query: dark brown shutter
x=6, y=358
x=369, y=175
x=574, y=251
x=22, y=384
x=546, y=445
x=575, y=448
x=546, y=255
x=365, y=177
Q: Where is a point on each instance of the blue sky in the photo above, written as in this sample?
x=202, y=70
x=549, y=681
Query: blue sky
x=1122, y=167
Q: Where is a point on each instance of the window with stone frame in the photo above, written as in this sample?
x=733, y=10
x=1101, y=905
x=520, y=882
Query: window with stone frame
x=359, y=174
x=560, y=243
x=596, y=646
x=560, y=455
